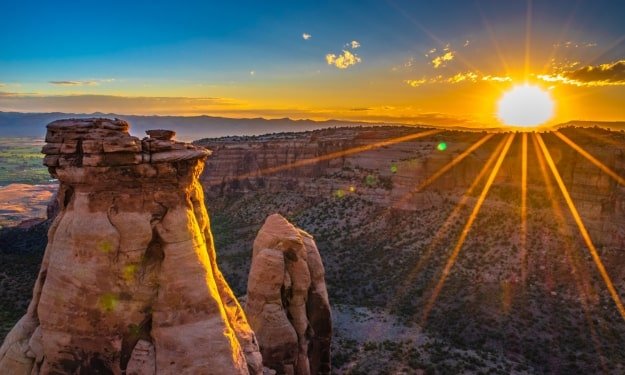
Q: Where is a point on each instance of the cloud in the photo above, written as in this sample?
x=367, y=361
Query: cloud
x=252, y=72
x=28, y=102
x=415, y=82
x=344, y=60
x=496, y=78
x=73, y=83
x=571, y=44
x=354, y=44
x=463, y=77
x=466, y=43
x=93, y=82
x=2, y=84
x=306, y=36
x=433, y=50
x=610, y=74
x=441, y=60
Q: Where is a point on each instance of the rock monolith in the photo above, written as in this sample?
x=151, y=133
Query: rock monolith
x=129, y=281
x=287, y=300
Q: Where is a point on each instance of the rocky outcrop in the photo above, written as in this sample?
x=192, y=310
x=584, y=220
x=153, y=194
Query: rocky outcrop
x=129, y=281
x=287, y=301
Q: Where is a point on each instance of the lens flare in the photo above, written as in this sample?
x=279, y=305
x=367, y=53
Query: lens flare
x=526, y=106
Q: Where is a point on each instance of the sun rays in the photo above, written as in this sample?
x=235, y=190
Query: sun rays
x=453, y=216
x=427, y=182
x=491, y=168
x=582, y=228
x=591, y=158
x=523, y=234
x=545, y=156
x=467, y=227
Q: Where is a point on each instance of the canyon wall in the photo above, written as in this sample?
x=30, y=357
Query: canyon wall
x=323, y=163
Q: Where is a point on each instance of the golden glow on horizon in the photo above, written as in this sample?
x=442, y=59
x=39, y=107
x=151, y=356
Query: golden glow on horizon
x=525, y=106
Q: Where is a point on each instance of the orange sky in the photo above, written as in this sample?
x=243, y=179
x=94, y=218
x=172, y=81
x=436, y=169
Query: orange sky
x=399, y=61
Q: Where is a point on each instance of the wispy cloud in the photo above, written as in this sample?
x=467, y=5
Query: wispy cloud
x=344, y=60
x=496, y=78
x=306, y=36
x=462, y=77
x=93, y=82
x=73, y=83
x=609, y=74
x=406, y=65
x=353, y=44
x=572, y=44
x=28, y=102
x=416, y=82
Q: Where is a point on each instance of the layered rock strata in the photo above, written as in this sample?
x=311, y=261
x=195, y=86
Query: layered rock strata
x=287, y=300
x=129, y=281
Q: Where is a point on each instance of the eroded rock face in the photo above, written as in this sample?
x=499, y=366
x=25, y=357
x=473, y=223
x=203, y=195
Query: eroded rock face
x=129, y=280
x=287, y=300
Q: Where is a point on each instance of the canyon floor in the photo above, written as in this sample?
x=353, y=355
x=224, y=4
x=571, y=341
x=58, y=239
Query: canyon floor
x=504, y=308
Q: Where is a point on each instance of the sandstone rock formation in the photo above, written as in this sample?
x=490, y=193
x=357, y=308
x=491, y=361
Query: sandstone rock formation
x=287, y=301
x=129, y=281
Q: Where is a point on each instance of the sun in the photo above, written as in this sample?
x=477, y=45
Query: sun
x=525, y=105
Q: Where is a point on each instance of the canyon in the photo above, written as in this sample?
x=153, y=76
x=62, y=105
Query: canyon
x=389, y=174
x=385, y=230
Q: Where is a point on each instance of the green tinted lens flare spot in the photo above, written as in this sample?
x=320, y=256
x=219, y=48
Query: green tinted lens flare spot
x=442, y=146
x=108, y=302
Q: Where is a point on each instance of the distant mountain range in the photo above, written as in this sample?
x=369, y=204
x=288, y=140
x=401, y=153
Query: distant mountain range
x=610, y=125
x=19, y=124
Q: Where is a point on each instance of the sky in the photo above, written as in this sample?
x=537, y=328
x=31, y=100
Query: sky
x=431, y=62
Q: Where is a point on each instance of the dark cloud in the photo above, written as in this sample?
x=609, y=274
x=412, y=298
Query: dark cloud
x=613, y=72
x=610, y=74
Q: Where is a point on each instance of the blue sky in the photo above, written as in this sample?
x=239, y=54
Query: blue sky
x=253, y=52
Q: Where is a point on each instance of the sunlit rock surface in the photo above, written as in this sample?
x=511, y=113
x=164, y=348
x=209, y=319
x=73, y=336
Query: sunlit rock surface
x=129, y=281
x=287, y=301
x=24, y=205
